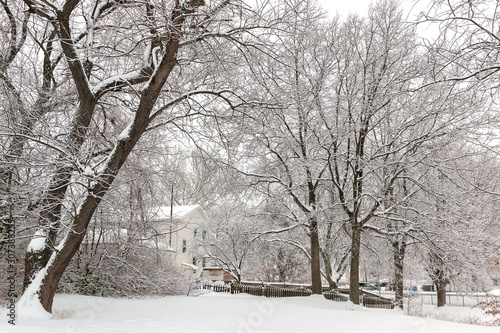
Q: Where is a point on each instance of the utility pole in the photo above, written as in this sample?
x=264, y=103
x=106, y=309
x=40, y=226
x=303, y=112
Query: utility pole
x=171, y=213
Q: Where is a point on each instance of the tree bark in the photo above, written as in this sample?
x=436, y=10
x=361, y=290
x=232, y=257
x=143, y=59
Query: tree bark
x=441, y=293
x=315, y=258
x=439, y=276
x=354, y=270
x=398, y=251
x=328, y=271
x=440, y=282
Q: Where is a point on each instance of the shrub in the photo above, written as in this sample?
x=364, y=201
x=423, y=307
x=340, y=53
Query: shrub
x=490, y=307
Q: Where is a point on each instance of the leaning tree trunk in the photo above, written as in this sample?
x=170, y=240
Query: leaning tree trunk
x=38, y=256
x=46, y=277
x=59, y=260
x=328, y=270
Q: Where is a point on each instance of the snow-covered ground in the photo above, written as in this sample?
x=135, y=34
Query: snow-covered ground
x=232, y=313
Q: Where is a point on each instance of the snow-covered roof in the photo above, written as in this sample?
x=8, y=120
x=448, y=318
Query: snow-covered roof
x=178, y=212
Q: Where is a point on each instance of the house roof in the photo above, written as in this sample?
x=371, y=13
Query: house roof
x=162, y=213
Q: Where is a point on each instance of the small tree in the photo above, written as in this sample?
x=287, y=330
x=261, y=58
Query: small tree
x=230, y=242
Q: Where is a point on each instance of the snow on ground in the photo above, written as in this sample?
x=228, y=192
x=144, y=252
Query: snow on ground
x=227, y=313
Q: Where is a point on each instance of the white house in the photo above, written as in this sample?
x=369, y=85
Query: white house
x=181, y=229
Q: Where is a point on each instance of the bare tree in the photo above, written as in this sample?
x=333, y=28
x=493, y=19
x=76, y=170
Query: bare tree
x=283, y=138
x=230, y=240
x=375, y=68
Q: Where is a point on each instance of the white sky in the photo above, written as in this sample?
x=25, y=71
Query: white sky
x=344, y=7
x=410, y=7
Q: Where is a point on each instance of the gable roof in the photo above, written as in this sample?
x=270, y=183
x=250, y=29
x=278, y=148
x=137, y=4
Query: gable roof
x=162, y=213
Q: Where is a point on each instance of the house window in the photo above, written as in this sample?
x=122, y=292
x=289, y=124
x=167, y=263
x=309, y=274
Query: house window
x=184, y=246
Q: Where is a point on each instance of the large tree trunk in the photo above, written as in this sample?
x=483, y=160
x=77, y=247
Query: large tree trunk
x=52, y=271
x=315, y=259
x=398, y=251
x=441, y=293
x=439, y=276
x=354, y=270
x=440, y=282
x=38, y=255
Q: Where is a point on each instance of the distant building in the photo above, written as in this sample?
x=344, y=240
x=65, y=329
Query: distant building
x=182, y=230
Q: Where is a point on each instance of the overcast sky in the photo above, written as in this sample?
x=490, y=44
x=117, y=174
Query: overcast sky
x=344, y=7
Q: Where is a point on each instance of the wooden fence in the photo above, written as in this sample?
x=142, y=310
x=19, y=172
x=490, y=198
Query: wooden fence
x=366, y=299
x=373, y=301
x=334, y=295
x=265, y=290
x=269, y=291
x=218, y=288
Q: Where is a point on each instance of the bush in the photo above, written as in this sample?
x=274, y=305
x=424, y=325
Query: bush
x=490, y=307
x=113, y=275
